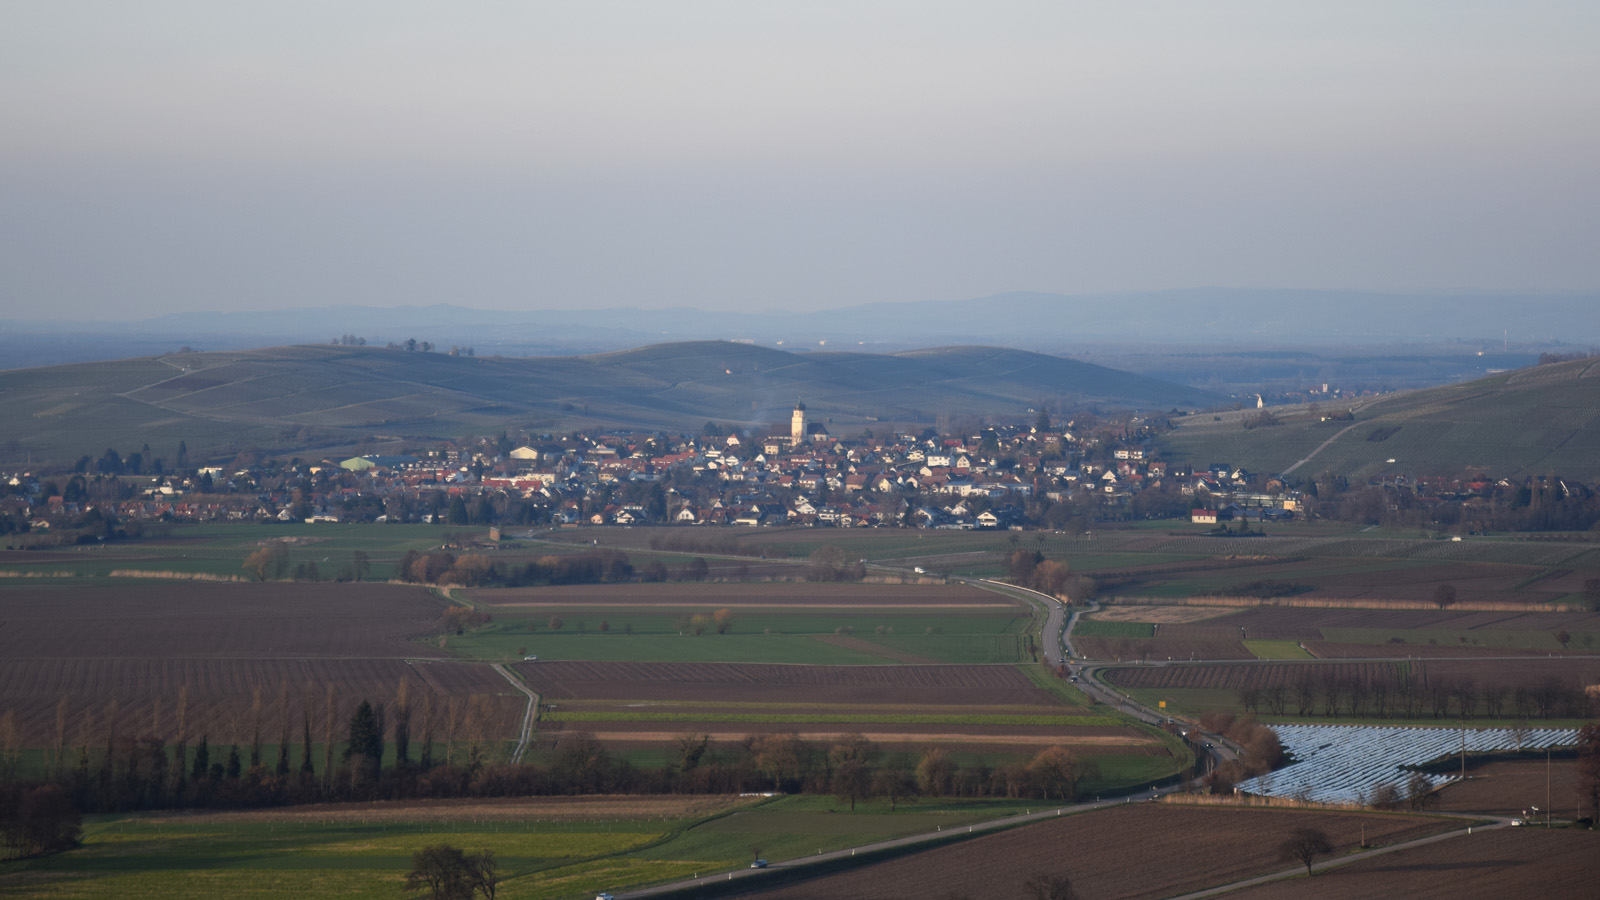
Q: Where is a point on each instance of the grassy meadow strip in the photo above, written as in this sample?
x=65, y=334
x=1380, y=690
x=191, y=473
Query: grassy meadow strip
x=267, y=859
x=268, y=856
x=1277, y=650
x=1091, y=627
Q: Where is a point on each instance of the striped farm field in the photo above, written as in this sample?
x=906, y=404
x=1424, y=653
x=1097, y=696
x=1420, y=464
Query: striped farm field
x=206, y=620
x=754, y=682
x=92, y=698
x=1295, y=623
x=1509, y=672
x=1491, y=692
x=982, y=709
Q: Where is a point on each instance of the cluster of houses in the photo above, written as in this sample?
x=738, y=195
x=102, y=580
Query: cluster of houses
x=997, y=478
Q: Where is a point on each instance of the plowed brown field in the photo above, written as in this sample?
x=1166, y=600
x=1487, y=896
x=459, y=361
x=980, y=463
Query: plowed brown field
x=1509, y=673
x=1296, y=623
x=654, y=704
x=1489, y=865
x=1122, y=853
x=1508, y=787
x=140, y=696
x=1329, y=650
x=206, y=620
x=901, y=736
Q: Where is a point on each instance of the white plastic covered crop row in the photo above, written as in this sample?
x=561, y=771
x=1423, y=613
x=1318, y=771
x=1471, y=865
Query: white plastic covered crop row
x=1347, y=763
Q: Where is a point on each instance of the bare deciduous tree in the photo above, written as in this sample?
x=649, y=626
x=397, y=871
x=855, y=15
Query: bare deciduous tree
x=1304, y=845
x=1045, y=886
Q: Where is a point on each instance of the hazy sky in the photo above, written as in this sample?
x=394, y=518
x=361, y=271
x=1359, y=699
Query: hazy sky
x=167, y=156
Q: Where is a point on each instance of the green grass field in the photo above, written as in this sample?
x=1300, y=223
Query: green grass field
x=1091, y=627
x=170, y=859
x=1277, y=650
x=742, y=648
x=868, y=637
x=1184, y=701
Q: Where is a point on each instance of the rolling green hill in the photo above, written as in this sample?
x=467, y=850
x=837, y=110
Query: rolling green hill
x=1538, y=421
x=316, y=398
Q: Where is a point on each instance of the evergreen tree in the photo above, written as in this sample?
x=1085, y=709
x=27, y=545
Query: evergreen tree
x=365, y=747
x=202, y=761
x=306, y=767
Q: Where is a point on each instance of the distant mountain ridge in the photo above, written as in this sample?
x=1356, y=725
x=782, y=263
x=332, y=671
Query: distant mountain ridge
x=314, y=395
x=1027, y=320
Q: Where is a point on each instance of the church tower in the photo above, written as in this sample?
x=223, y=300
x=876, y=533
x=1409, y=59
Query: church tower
x=797, y=425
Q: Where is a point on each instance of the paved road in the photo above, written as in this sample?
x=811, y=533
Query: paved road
x=1052, y=633
x=933, y=837
x=1056, y=639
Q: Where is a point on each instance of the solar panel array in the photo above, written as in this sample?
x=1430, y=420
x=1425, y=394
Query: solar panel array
x=1347, y=763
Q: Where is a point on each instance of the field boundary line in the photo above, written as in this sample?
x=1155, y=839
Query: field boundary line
x=525, y=732
x=1482, y=823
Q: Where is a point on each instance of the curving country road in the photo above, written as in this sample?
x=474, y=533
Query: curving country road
x=1056, y=642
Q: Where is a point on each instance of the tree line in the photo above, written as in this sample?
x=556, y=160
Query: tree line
x=408, y=748
x=1030, y=569
x=1261, y=752
x=476, y=569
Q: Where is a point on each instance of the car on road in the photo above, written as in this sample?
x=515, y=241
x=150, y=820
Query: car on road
x=529, y=658
x=759, y=864
x=604, y=895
